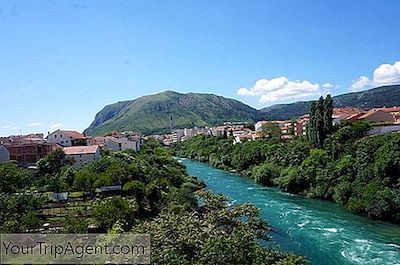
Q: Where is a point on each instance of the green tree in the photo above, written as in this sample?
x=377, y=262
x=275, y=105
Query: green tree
x=320, y=125
x=117, y=209
x=271, y=130
x=213, y=234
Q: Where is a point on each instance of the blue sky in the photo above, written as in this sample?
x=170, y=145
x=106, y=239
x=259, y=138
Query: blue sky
x=62, y=61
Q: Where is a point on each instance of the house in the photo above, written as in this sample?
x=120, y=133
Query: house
x=242, y=137
x=346, y=114
x=122, y=143
x=98, y=140
x=396, y=118
x=28, y=153
x=4, y=154
x=354, y=117
x=82, y=154
x=67, y=138
x=177, y=135
x=285, y=126
x=383, y=128
x=392, y=110
x=301, y=124
x=377, y=115
x=27, y=149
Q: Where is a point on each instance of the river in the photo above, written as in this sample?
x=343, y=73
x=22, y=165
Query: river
x=320, y=230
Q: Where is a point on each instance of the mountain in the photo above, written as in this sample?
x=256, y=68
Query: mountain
x=377, y=97
x=153, y=114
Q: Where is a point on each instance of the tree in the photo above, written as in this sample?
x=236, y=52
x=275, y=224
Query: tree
x=320, y=125
x=271, y=130
x=213, y=234
x=328, y=111
x=12, y=178
x=225, y=134
x=53, y=163
x=265, y=173
x=292, y=128
x=116, y=209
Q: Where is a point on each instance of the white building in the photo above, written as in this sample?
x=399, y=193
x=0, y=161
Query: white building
x=66, y=138
x=4, y=154
x=177, y=135
x=122, y=144
x=82, y=154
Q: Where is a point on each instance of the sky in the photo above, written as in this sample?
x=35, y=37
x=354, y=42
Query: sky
x=62, y=61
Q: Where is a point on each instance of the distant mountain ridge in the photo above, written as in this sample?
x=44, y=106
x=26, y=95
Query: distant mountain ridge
x=385, y=96
x=153, y=114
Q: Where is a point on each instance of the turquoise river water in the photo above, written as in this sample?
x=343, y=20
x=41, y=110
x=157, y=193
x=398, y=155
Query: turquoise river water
x=321, y=230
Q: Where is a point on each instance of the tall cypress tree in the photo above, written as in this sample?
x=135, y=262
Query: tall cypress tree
x=311, y=133
x=320, y=125
x=328, y=111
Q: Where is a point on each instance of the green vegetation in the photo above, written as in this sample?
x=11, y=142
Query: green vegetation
x=213, y=234
x=187, y=225
x=154, y=114
x=373, y=98
x=360, y=173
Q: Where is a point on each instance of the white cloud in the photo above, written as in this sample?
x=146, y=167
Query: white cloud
x=56, y=125
x=15, y=128
x=5, y=126
x=328, y=86
x=35, y=124
x=282, y=89
x=385, y=74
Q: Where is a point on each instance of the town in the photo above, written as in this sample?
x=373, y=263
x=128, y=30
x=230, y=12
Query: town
x=383, y=120
x=27, y=150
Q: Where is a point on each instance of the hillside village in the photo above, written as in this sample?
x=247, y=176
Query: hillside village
x=26, y=150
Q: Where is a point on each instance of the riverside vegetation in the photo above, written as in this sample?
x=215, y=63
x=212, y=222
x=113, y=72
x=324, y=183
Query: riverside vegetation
x=187, y=224
x=335, y=163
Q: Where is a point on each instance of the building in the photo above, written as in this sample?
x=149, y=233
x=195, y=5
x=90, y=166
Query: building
x=383, y=128
x=354, y=117
x=346, y=114
x=177, y=135
x=396, y=118
x=302, y=124
x=242, y=138
x=4, y=154
x=98, y=140
x=392, y=110
x=122, y=143
x=67, y=138
x=377, y=115
x=27, y=149
x=82, y=154
x=28, y=153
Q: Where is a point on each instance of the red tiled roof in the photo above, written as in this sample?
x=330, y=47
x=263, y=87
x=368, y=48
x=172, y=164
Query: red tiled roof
x=80, y=150
x=73, y=134
x=355, y=116
x=391, y=109
x=347, y=110
x=368, y=113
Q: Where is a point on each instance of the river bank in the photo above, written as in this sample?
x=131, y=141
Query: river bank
x=320, y=230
